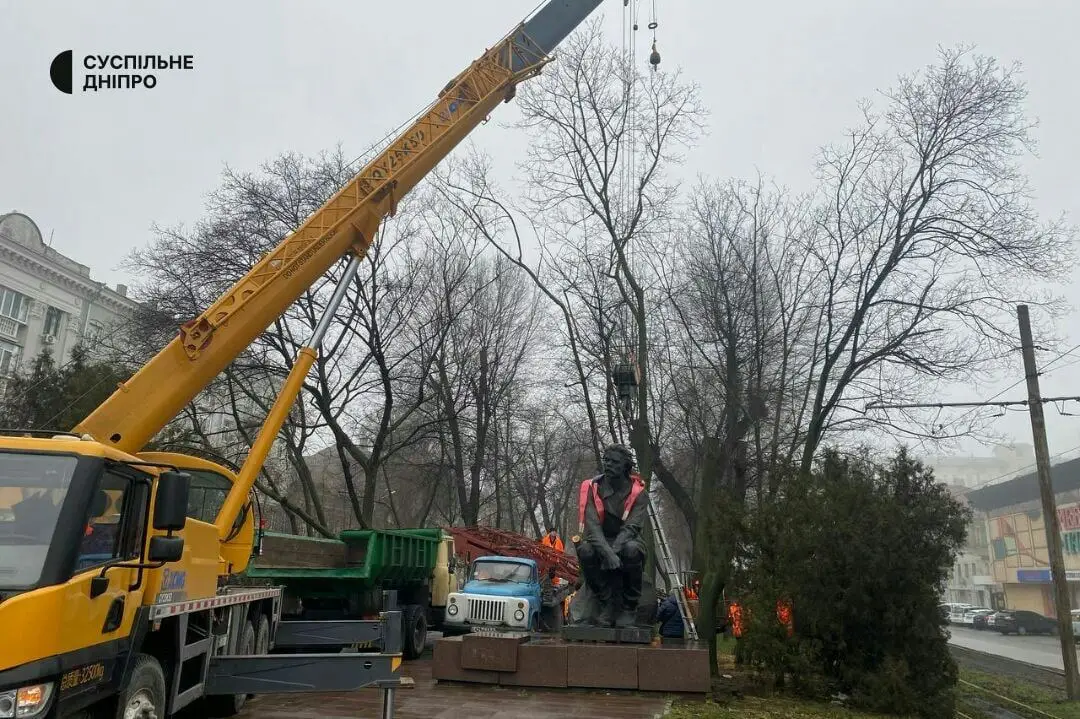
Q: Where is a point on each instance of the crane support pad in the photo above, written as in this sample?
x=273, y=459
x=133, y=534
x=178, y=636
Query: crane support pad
x=327, y=633
x=286, y=673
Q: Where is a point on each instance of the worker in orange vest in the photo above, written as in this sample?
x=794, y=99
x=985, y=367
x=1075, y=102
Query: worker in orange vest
x=552, y=539
x=735, y=619
x=783, y=613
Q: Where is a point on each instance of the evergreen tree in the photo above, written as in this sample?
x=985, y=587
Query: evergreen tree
x=860, y=549
x=47, y=396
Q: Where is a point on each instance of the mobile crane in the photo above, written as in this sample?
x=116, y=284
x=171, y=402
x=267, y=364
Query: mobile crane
x=116, y=564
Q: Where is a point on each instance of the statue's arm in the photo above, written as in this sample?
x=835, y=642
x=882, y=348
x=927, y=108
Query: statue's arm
x=634, y=526
x=594, y=532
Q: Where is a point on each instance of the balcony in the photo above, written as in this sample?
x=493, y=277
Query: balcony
x=9, y=328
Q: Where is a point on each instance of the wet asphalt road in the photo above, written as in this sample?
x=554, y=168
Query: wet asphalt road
x=1042, y=650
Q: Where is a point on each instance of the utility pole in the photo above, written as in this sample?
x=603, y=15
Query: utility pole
x=1049, y=506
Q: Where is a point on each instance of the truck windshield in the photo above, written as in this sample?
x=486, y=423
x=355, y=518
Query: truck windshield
x=501, y=572
x=32, y=491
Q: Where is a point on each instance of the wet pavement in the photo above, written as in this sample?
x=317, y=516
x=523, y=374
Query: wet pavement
x=1042, y=650
x=429, y=700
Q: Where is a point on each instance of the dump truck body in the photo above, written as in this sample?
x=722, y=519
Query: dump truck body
x=335, y=579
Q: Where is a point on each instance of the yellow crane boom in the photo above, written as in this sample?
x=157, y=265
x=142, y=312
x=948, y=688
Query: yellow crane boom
x=155, y=394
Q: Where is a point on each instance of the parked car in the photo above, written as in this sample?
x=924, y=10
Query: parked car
x=1021, y=621
x=952, y=611
x=959, y=613
x=971, y=615
x=983, y=619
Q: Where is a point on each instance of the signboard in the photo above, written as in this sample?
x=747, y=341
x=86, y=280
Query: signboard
x=1069, y=517
x=1042, y=576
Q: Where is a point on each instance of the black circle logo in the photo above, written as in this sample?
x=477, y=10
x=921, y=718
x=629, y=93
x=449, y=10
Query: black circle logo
x=60, y=72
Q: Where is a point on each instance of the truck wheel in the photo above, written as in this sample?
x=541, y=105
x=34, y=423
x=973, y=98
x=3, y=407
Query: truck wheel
x=262, y=634
x=414, y=631
x=227, y=705
x=144, y=696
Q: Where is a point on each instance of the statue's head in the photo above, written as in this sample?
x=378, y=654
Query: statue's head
x=618, y=461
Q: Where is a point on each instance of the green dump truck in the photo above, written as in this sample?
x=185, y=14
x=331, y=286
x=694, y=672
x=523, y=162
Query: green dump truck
x=344, y=578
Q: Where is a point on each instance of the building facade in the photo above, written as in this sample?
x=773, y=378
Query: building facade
x=973, y=472
x=49, y=300
x=971, y=580
x=1016, y=532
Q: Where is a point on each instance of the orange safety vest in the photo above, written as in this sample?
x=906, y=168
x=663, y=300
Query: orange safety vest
x=555, y=543
x=589, y=487
x=783, y=613
x=735, y=617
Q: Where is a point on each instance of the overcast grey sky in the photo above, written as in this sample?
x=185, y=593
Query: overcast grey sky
x=779, y=76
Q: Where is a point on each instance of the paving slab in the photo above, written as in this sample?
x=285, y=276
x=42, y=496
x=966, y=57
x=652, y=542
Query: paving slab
x=431, y=700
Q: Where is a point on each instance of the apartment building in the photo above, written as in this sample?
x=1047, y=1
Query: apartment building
x=48, y=299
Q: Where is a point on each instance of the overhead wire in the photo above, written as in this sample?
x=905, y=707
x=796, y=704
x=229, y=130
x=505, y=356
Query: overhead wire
x=1042, y=370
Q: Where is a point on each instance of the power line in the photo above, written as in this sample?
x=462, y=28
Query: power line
x=942, y=405
x=984, y=403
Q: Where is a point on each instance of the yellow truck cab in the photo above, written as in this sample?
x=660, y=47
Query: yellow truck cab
x=115, y=602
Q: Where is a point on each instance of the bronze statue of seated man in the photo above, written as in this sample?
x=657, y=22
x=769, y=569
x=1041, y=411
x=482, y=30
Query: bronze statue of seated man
x=612, y=510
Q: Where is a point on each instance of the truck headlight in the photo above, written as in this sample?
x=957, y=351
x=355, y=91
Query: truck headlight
x=451, y=610
x=25, y=702
x=519, y=615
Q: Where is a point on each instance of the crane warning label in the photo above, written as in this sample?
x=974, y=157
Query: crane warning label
x=83, y=677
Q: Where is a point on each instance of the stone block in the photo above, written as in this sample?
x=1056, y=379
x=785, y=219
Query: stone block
x=602, y=666
x=446, y=664
x=611, y=635
x=673, y=669
x=539, y=664
x=492, y=652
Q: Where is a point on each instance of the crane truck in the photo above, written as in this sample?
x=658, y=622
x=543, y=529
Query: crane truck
x=117, y=596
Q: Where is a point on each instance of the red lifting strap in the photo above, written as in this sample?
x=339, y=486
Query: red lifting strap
x=589, y=487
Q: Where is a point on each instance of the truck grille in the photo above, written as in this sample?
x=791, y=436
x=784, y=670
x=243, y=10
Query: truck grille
x=486, y=610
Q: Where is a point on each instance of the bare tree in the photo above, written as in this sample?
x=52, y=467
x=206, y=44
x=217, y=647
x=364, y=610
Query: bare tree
x=367, y=380
x=735, y=321
x=476, y=369
x=598, y=199
x=925, y=239
x=605, y=134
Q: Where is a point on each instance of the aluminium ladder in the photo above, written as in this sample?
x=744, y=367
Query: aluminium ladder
x=663, y=554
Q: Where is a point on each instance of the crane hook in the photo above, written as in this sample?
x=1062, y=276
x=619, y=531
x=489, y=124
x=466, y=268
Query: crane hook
x=654, y=56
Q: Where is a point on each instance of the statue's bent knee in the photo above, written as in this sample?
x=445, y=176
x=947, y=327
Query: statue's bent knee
x=632, y=553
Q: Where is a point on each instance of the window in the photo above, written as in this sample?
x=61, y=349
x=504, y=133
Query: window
x=116, y=523
x=9, y=357
x=32, y=492
x=14, y=305
x=207, y=494
x=93, y=330
x=492, y=571
x=54, y=321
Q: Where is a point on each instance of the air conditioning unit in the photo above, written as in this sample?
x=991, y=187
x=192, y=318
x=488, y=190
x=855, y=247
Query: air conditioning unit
x=48, y=339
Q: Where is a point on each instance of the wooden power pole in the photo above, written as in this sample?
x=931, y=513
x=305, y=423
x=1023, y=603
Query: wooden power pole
x=1049, y=507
